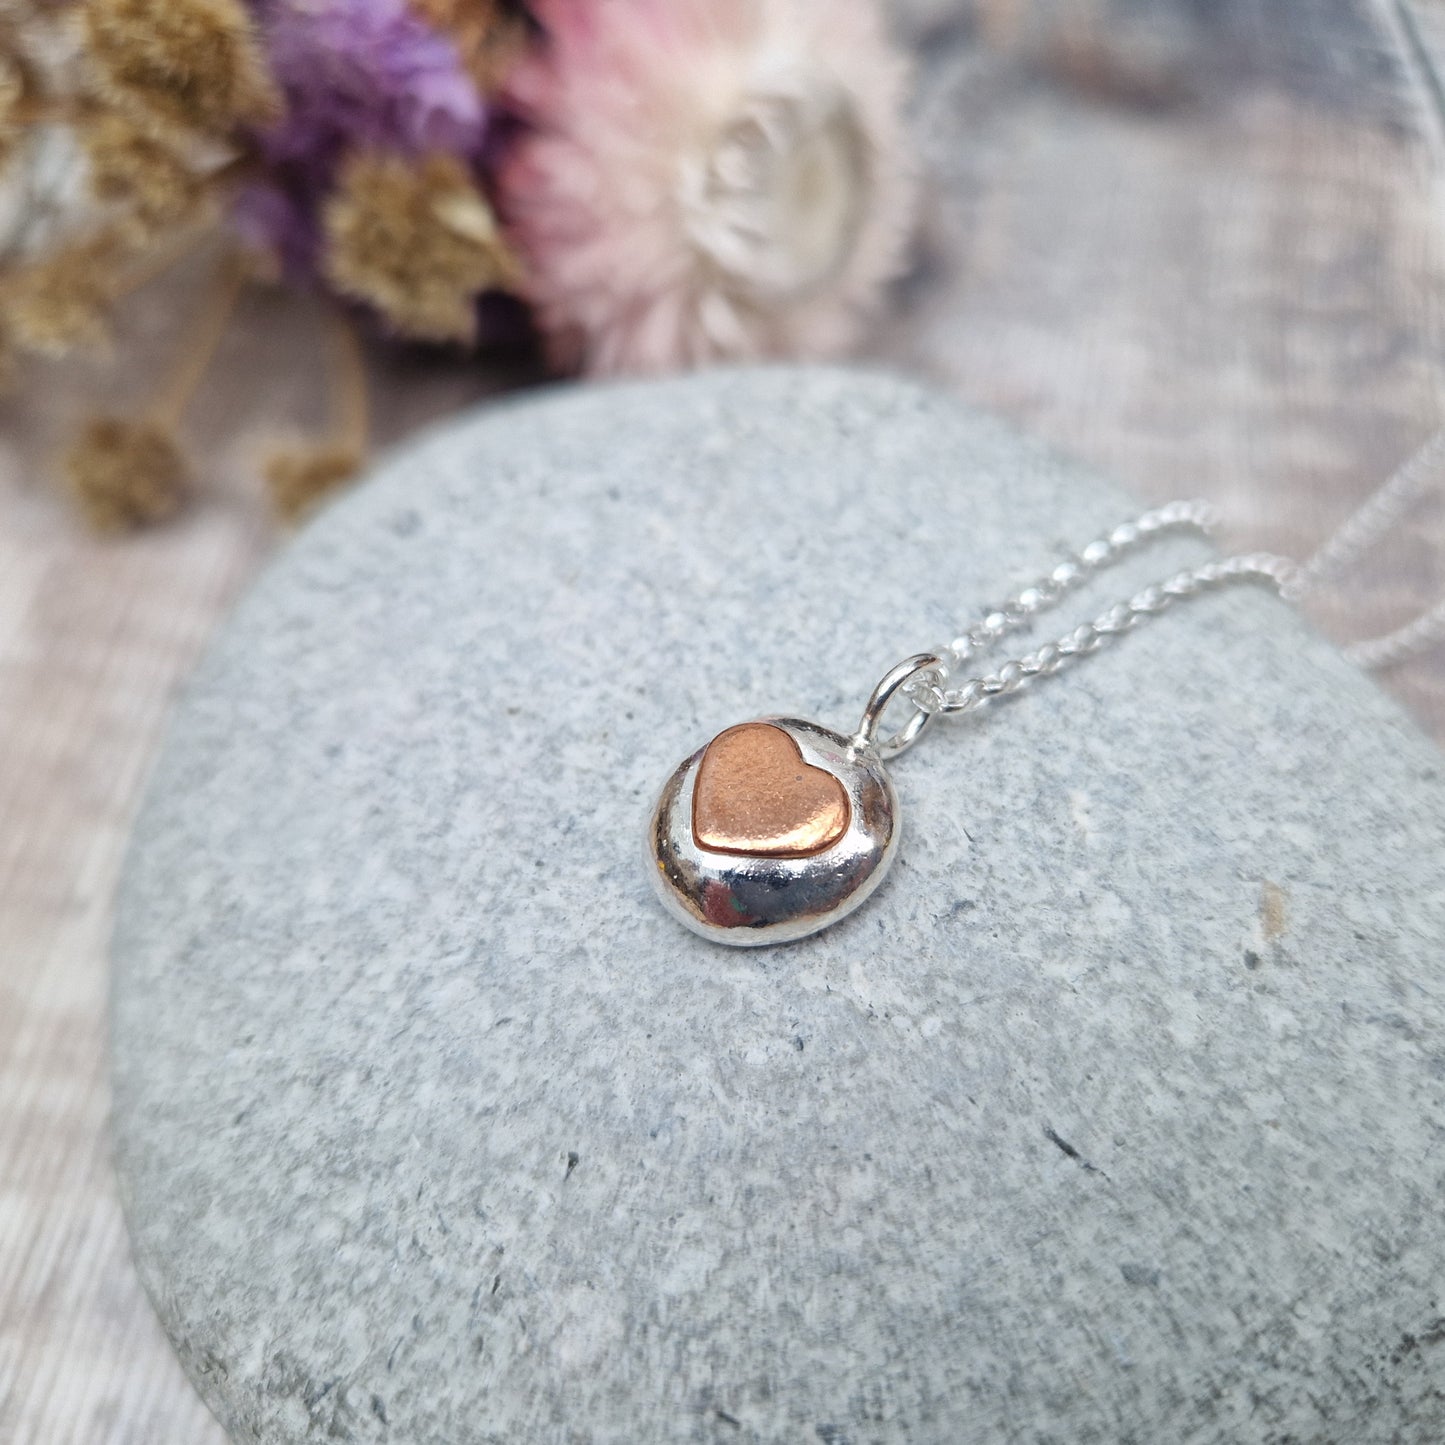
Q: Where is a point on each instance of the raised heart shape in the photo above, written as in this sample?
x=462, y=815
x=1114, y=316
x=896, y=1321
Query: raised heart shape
x=756, y=795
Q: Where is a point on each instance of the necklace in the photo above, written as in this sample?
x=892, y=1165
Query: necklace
x=779, y=827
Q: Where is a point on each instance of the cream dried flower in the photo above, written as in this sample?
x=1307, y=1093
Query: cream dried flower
x=126, y=474
x=301, y=478
x=182, y=65
x=53, y=305
x=148, y=176
x=417, y=240
x=708, y=179
x=17, y=91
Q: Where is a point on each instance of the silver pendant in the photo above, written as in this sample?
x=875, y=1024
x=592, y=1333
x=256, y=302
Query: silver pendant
x=779, y=827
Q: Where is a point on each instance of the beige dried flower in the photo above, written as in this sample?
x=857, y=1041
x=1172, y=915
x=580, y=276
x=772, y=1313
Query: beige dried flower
x=17, y=95
x=126, y=474
x=181, y=64
x=300, y=478
x=415, y=239
x=146, y=175
x=59, y=302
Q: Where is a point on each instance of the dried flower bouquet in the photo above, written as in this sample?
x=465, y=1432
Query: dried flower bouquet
x=658, y=183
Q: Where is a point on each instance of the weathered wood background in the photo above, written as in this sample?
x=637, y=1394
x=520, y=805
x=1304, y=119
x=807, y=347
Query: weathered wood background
x=1201, y=242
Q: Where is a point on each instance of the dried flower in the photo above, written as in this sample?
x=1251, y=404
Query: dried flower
x=366, y=73
x=301, y=478
x=59, y=302
x=489, y=35
x=707, y=180
x=356, y=75
x=183, y=65
x=147, y=175
x=17, y=90
x=126, y=474
x=415, y=239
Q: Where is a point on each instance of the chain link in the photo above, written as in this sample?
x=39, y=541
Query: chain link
x=929, y=688
x=1075, y=570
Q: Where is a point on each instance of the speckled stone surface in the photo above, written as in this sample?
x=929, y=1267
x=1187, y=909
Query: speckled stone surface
x=1118, y=1115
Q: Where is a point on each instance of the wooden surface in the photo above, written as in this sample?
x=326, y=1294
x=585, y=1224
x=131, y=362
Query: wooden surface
x=1201, y=245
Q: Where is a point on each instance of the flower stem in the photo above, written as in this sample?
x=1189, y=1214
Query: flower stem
x=195, y=358
x=350, y=401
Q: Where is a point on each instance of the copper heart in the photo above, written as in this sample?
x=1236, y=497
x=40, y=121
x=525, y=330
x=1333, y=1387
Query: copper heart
x=754, y=794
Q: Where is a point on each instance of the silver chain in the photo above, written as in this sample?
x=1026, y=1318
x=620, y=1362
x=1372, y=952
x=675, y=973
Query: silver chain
x=1375, y=519
x=1380, y=514
x=1403, y=644
x=926, y=678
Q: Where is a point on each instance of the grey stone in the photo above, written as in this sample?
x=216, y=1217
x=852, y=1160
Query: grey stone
x=1118, y=1115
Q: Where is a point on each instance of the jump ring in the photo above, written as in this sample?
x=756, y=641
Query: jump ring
x=887, y=689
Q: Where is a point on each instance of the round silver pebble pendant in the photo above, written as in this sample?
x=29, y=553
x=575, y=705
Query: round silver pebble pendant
x=772, y=831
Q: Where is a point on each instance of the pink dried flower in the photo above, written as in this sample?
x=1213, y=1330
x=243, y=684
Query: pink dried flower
x=706, y=180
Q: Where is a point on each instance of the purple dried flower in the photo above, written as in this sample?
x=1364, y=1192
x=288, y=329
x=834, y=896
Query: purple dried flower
x=368, y=74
